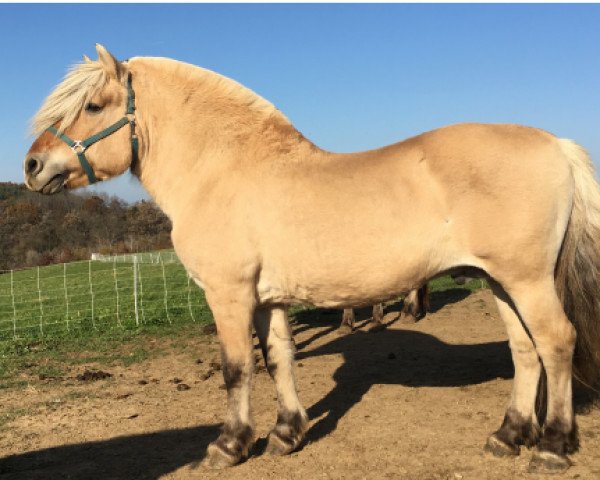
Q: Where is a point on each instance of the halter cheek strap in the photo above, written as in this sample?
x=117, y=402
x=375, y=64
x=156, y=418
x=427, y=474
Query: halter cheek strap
x=80, y=146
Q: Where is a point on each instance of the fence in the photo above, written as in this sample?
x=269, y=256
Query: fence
x=106, y=292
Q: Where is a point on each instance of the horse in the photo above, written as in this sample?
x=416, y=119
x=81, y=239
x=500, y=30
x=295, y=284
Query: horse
x=414, y=307
x=257, y=208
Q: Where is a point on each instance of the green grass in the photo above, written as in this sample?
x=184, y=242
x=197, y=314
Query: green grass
x=90, y=297
x=446, y=283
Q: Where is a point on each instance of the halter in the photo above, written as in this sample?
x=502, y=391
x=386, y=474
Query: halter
x=80, y=146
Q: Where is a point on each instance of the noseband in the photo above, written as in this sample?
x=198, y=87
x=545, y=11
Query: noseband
x=80, y=146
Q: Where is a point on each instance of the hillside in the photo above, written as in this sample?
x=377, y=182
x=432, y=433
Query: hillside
x=40, y=230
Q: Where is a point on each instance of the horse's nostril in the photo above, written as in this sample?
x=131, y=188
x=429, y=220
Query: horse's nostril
x=32, y=166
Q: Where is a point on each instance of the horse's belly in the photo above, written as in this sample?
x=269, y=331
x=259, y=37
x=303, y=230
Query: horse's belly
x=354, y=290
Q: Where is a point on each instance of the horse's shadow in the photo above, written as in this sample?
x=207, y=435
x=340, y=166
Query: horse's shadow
x=396, y=357
x=146, y=456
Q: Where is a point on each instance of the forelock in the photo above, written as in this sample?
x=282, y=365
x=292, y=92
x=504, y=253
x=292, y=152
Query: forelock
x=65, y=102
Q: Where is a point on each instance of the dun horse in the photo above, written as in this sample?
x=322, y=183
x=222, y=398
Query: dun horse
x=257, y=210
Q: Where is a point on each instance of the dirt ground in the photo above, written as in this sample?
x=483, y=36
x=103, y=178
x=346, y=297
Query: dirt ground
x=411, y=402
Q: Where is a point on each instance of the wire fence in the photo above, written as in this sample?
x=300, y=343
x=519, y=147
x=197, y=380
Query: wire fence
x=123, y=291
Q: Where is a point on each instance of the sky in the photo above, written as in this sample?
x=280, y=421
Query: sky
x=350, y=77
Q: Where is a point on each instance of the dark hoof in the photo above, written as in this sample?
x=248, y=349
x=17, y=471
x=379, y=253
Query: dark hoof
x=498, y=448
x=344, y=329
x=217, y=458
x=288, y=433
x=407, y=318
x=548, y=463
x=278, y=445
x=231, y=447
x=377, y=327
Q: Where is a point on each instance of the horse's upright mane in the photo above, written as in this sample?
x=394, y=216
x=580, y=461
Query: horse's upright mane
x=65, y=102
x=213, y=84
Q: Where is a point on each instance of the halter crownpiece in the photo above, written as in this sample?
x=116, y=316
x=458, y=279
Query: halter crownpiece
x=80, y=146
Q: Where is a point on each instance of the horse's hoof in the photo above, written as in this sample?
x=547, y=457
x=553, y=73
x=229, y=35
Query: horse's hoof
x=280, y=446
x=377, y=327
x=407, y=318
x=344, y=329
x=288, y=432
x=498, y=448
x=216, y=458
x=548, y=463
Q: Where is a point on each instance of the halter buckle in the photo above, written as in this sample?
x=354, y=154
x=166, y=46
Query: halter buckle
x=78, y=147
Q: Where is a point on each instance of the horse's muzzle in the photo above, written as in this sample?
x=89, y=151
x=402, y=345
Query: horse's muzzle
x=43, y=178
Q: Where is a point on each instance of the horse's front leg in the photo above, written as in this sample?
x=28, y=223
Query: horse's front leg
x=277, y=344
x=233, y=318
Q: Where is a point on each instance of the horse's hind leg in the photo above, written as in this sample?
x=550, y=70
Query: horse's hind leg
x=234, y=326
x=520, y=425
x=554, y=339
x=377, y=324
x=348, y=319
x=275, y=336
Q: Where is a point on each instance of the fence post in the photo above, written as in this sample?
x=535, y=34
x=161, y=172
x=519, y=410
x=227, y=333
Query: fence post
x=141, y=282
x=66, y=294
x=135, y=295
x=40, y=302
x=190, y=300
x=12, y=294
x=91, y=291
x=116, y=290
x=165, y=285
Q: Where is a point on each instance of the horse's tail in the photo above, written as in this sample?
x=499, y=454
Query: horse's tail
x=578, y=269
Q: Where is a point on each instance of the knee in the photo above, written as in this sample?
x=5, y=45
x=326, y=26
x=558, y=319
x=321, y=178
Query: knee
x=560, y=344
x=524, y=354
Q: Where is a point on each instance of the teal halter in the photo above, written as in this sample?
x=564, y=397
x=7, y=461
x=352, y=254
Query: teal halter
x=80, y=146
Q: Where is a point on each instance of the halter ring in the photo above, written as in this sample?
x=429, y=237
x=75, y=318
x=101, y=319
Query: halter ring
x=78, y=145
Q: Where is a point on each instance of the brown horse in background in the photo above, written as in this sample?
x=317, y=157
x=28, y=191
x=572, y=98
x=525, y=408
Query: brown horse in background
x=414, y=307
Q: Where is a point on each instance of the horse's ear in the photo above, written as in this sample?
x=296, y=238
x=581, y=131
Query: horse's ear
x=112, y=66
x=87, y=59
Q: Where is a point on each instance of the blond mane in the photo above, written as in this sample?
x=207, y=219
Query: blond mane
x=213, y=84
x=65, y=102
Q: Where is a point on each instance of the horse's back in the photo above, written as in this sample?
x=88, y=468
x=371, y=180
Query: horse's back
x=459, y=195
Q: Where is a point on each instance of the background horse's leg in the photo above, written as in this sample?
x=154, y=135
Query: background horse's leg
x=277, y=344
x=554, y=337
x=410, y=307
x=415, y=305
x=425, y=299
x=233, y=318
x=377, y=322
x=348, y=319
x=520, y=425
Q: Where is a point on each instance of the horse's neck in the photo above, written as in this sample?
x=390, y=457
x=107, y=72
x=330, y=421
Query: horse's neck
x=195, y=127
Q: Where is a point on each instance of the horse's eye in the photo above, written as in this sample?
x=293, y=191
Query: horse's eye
x=93, y=108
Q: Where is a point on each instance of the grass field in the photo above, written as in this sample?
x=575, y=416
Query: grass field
x=88, y=297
